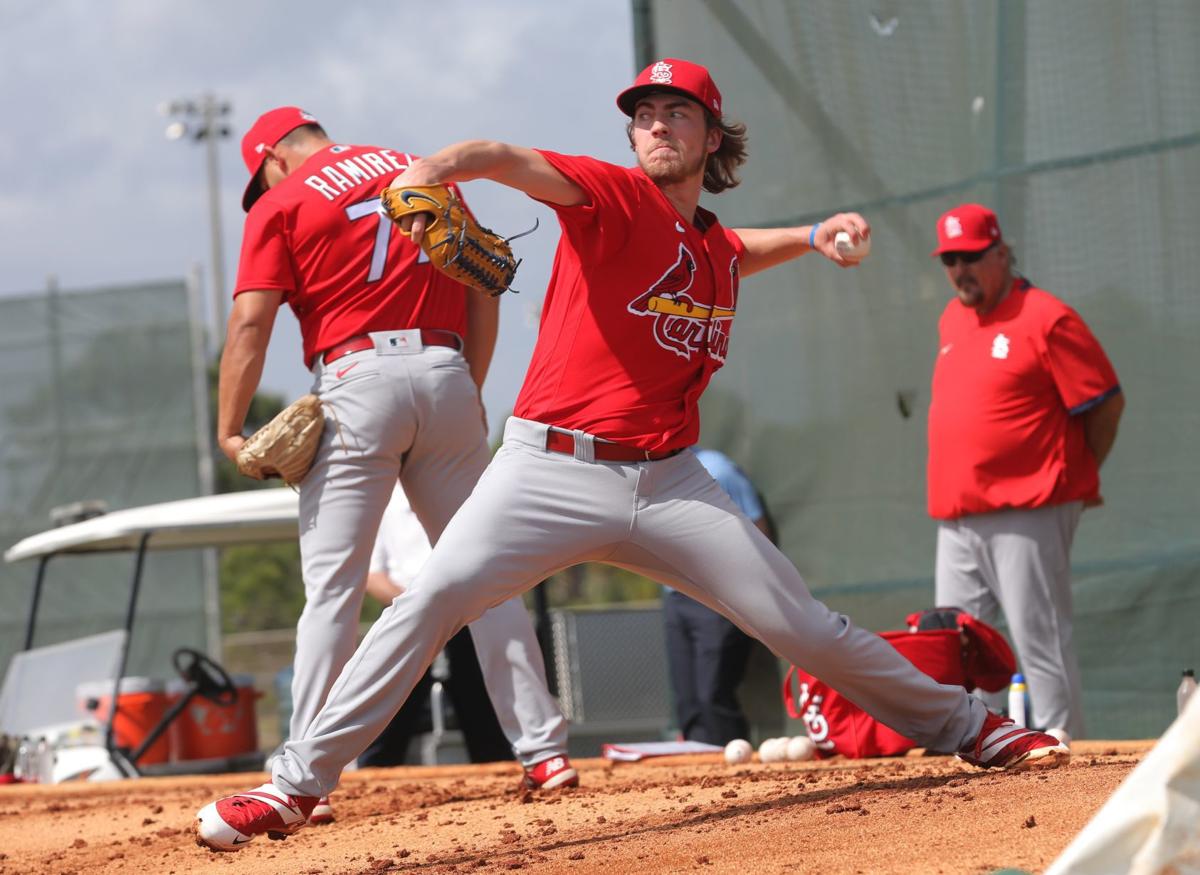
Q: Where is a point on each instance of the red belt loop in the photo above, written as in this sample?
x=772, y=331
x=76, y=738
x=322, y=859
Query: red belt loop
x=564, y=442
x=429, y=337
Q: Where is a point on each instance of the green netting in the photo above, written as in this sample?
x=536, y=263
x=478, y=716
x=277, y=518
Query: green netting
x=1079, y=122
x=98, y=404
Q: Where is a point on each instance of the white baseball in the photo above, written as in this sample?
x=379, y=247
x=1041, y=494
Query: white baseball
x=800, y=748
x=772, y=751
x=1061, y=735
x=847, y=250
x=738, y=751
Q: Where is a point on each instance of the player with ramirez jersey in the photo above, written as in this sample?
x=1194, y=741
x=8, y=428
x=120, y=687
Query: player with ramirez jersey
x=397, y=352
x=637, y=319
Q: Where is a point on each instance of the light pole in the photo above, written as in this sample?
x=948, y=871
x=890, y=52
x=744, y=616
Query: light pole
x=204, y=120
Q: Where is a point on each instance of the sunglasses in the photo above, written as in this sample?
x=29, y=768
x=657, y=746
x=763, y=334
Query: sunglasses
x=949, y=259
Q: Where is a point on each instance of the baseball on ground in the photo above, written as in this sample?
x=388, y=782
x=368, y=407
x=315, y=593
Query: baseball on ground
x=738, y=751
x=1061, y=735
x=800, y=748
x=847, y=250
x=773, y=750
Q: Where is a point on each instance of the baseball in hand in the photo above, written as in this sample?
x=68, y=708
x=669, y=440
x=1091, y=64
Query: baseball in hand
x=842, y=242
x=800, y=749
x=738, y=751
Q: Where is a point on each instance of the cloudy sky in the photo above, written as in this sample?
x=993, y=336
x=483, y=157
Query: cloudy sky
x=93, y=193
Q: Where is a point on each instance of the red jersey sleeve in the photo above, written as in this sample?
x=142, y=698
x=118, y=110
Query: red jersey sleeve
x=1081, y=371
x=601, y=225
x=739, y=246
x=266, y=261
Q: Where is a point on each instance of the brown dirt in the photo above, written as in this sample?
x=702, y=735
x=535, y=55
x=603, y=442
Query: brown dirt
x=914, y=814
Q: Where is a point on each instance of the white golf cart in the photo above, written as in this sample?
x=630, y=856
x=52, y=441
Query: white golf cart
x=35, y=702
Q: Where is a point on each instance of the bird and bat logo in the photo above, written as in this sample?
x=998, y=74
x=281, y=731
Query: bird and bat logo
x=681, y=324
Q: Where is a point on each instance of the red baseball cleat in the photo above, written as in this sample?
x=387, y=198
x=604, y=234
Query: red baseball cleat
x=229, y=823
x=1002, y=744
x=551, y=773
x=322, y=813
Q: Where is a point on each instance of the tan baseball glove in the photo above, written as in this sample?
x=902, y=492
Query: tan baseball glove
x=285, y=446
x=456, y=244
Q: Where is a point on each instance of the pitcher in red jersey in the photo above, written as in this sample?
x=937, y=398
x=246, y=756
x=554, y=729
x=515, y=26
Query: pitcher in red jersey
x=637, y=318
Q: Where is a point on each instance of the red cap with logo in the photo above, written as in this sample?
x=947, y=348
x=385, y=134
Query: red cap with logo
x=672, y=74
x=270, y=128
x=967, y=228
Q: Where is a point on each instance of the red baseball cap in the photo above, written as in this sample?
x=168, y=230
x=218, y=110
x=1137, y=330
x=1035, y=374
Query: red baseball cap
x=672, y=74
x=967, y=228
x=270, y=128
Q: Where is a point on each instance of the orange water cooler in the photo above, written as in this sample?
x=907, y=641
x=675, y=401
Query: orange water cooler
x=205, y=730
x=141, y=704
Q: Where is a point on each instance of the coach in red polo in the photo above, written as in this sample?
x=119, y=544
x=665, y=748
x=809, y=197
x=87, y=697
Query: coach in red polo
x=1024, y=410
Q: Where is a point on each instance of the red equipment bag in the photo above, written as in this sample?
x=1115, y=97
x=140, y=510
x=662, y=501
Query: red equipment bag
x=948, y=644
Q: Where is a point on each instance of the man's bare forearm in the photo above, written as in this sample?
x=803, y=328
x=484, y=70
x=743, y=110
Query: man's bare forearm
x=382, y=588
x=483, y=325
x=767, y=247
x=513, y=166
x=242, y=361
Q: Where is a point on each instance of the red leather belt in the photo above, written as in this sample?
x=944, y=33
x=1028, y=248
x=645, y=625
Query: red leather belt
x=564, y=442
x=429, y=337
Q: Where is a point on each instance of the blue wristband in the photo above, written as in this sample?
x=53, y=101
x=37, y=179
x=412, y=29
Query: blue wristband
x=812, y=235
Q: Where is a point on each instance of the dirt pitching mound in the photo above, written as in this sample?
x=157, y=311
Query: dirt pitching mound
x=915, y=814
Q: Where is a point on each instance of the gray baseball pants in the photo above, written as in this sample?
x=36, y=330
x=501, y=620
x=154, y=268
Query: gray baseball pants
x=1019, y=561
x=535, y=512
x=411, y=411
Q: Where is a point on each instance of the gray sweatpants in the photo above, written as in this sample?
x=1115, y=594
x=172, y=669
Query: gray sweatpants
x=1019, y=561
x=535, y=512
x=403, y=410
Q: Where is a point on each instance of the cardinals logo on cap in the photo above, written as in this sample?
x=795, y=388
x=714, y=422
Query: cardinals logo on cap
x=953, y=227
x=660, y=73
x=681, y=324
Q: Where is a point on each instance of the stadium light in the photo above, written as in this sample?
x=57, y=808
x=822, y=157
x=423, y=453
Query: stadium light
x=204, y=120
